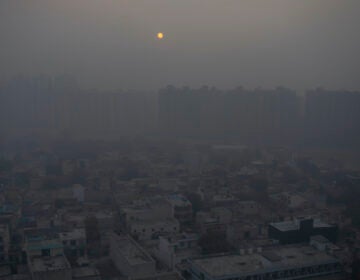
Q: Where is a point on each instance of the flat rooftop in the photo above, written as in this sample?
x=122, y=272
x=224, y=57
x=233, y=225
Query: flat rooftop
x=229, y=147
x=230, y=264
x=276, y=258
x=34, y=245
x=320, y=239
x=295, y=225
x=286, y=225
x=181, y=237
x=49, y=263
x=73, y=234
x=82, y=272
x=178, y=200
x=133, y=253
x=155, y=222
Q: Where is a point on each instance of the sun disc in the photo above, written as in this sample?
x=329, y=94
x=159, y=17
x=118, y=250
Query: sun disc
x=160, y=35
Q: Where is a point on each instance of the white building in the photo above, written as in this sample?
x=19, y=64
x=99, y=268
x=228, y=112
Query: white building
x=50, y=268
x=130, y=258
x=146, y=219
x=142, y=210
x=79, y=192
x=46, y=260
x=181, y=208
x=282, y=262
x=174, y=249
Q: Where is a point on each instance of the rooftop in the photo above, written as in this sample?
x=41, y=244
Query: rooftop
x=286, y=225
x=74, y=234
x=81, y=272
x=50, y=263
x=35, y=245
x=174, y=238
x=8, y=209
x=276, y=258
x=178, y=200
x=320, y=239
x=133, y=253
x=156, y=222
x=229, y=147
x=295, y=225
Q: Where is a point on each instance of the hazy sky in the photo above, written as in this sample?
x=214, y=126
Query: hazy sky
x=112, y=43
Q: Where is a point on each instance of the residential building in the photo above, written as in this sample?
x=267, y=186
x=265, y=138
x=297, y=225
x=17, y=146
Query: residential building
x=130, y=258
x=300, y=230
x=174, y=249
x=282, y=262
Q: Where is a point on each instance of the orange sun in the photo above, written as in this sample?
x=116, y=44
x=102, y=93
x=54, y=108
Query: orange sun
x=160, y=35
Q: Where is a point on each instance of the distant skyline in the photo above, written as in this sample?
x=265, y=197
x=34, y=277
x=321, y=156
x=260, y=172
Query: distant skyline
x=112, y=44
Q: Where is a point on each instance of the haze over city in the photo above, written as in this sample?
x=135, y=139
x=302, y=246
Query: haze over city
x=179, y=139
x=112, y=44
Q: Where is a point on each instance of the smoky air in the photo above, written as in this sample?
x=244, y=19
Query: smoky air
x=189, y=140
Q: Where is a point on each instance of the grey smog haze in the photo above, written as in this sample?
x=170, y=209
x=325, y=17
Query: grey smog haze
x=112, y=44
x=179, y=139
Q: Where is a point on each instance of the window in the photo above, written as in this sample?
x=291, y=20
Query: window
x=246, y=234
x=45, y=252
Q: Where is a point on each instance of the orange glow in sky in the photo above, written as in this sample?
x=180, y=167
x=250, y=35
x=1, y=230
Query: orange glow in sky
x=160, y=35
